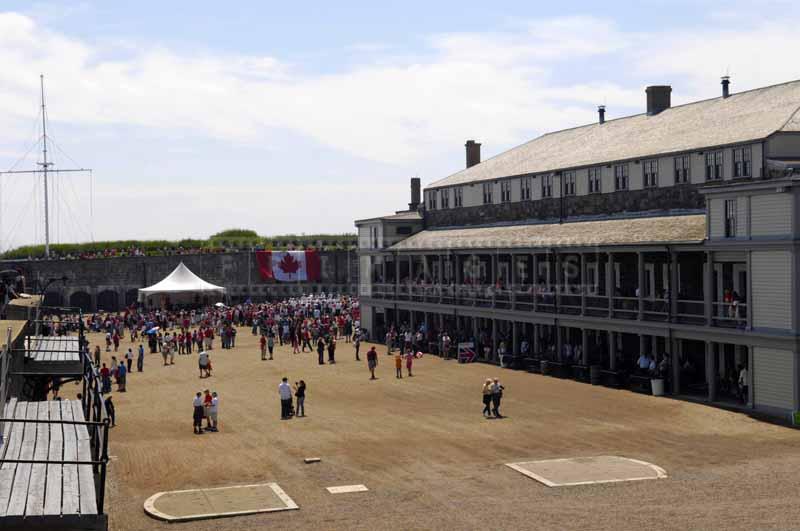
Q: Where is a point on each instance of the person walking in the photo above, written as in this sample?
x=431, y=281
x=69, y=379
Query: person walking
x=332, y=349
x=321, y=350
x=409, y=361
x=497, y=395
x=357, y=344
x=105, y=378
x=300, y=394
x=271, y=344
x=202, y=363
x=263, y=343
x=372, y=361
x=97, y=355
x=110, y=411
x=285, y=393
x=197, y=416
x=487, y=398
x=122, y=375
x=398, y=365
x=129, y=359
x=140, y=359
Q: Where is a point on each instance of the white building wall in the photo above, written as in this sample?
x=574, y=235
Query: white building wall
x=772, y=289
x=771, y=215
x=773, y=378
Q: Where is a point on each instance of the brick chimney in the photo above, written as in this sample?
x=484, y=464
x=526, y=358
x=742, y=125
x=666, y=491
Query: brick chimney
x=473, y=153
x=415, y=194
x=658, y=98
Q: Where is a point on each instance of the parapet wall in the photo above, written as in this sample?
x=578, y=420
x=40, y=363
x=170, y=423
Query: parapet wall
x=112, y=283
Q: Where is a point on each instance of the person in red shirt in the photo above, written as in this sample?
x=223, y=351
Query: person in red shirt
x=263, y=342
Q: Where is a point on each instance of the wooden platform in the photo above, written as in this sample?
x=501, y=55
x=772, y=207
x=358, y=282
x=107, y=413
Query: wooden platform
x=16, y=328
x=50, y=495
x=53, y=348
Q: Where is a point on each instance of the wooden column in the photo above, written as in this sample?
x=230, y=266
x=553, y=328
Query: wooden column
x=708, y=293
x=711, y=370
x=583, y=283
x=585, y=346
x=610, y=284
x=535, y=281
x=514, y=281
x=676, y=366
x=640, y=271
x=673, y=285
x=612, y=351
x=515, y=338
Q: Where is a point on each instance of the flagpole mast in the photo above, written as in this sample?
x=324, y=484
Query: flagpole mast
x=44, y=164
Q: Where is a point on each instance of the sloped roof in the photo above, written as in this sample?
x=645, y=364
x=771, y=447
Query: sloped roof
x=181, y=280
x=405, y=215
x=635, y=231
x=742, y=117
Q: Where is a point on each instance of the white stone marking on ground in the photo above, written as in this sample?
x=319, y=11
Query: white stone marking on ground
x=308, y=460
x=524, y=468
x=347, y=488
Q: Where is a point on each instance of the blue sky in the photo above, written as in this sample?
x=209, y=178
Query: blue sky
x=288, y=117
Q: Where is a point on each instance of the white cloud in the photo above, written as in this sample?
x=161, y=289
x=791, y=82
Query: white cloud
x=405, y=111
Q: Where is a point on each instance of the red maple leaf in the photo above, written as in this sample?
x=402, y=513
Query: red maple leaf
x=288, y=264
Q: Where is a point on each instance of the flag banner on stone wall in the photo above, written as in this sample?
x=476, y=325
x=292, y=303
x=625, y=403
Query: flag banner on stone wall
x=289, y=266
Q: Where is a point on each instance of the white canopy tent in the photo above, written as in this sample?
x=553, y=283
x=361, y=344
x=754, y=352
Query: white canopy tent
x=181, y=286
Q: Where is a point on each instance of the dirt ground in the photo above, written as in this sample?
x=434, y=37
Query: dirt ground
x=429, y=458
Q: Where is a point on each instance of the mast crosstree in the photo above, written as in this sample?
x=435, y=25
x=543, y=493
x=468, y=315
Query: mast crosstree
x=44, y=170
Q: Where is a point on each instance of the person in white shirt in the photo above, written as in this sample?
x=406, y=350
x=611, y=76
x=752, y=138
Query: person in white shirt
x=213, y=410
x=644, y=363
x=285, y=392
x=743, y=384
x=202, y=361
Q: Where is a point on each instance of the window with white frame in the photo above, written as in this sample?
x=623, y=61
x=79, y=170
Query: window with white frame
x=731, y=208
x=621, y=177
x=458, y=197
x=594, y=180
x=547, y=186
x=445, y=196
x=569, y=182
x=650, y=173
x=714, y=166
x=432, y=200
x=487, y=193
x=505, y=191
x=742, y=164
x=682, y=167
x=525, y=188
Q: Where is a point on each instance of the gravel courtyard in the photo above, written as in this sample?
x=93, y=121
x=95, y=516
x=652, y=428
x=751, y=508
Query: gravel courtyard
x=428, y=457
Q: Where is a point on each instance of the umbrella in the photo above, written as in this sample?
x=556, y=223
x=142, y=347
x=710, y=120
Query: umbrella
x=219, y=305
x=153, y=330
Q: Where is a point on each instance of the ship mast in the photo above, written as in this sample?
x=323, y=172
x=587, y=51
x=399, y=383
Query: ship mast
x=44, y=170
x=44, y=164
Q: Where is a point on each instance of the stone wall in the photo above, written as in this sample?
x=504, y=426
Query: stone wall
x=112, y=283
x=649, y=199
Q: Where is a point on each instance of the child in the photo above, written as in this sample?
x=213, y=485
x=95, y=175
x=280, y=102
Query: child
x=398, y=365
x=409, y=361
x=207, y=398
x=263, y=347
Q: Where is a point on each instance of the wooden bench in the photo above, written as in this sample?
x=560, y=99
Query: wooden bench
x=50, y=491
x=639, y=383
x=615, y=379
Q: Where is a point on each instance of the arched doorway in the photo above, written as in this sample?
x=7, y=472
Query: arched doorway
x=53, y=298
x=82, y=300
x=108, y=300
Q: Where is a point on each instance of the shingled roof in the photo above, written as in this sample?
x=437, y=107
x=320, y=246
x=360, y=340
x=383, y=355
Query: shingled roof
x=659, y=230
x=745, y=116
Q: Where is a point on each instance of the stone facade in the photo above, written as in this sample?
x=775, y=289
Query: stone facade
x=110, y=284
x=649, y=199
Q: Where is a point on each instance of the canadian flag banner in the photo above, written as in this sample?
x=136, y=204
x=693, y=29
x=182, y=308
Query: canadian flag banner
x=289, y=266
